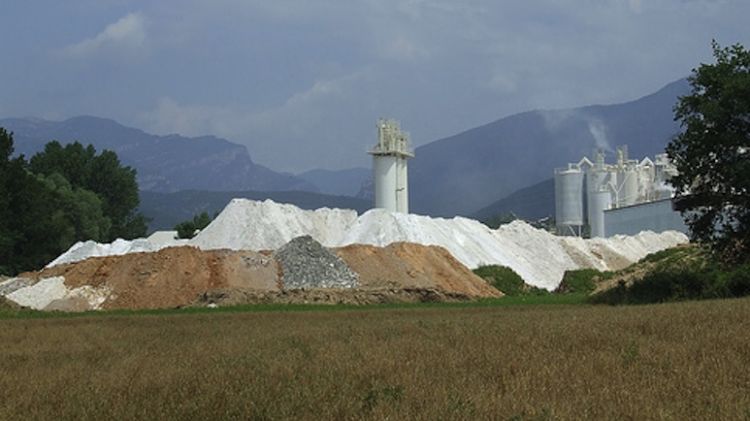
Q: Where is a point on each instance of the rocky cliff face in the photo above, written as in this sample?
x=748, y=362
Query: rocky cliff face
x=164, y=163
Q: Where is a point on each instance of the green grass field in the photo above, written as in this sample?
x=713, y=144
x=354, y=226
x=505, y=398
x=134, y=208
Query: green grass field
x=547, y=357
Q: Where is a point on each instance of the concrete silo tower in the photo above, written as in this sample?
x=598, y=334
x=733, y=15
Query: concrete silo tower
x=389, y=167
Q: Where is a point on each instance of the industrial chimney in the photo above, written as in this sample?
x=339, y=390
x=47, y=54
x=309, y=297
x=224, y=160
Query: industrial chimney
x=389, y=167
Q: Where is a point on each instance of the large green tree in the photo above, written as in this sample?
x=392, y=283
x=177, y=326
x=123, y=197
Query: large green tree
x=712, y=153
x=75, y=195
x=102, y=174
x=36, y=214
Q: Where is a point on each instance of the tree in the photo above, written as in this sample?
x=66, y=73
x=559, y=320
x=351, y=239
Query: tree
x=712, y=154
x=102, y=174
x=34, y=225
x=43, y=214
x=187, y=229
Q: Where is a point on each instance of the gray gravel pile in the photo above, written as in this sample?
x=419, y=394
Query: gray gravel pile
x=306, y=264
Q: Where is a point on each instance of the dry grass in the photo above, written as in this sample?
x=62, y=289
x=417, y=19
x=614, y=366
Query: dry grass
x=673, y=361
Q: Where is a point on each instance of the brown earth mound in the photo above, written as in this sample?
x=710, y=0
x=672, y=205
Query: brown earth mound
x=182, y=276
x=171, y=277
x=409, y=265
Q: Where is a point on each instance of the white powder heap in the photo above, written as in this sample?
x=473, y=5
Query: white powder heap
x=82, y=250
x=539, y=257
x=252, y=225
x=42, y=293
x=48, y=290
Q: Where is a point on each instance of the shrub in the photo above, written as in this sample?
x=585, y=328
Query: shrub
x=581, y=280
x=507, y=281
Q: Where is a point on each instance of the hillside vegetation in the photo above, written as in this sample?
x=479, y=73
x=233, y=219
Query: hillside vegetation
x=682, y=273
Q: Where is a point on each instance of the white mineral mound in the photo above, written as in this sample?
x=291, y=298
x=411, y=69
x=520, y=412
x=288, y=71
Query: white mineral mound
x=252, y=225
x=82, y=250
x=48, y=290
x=539, y=257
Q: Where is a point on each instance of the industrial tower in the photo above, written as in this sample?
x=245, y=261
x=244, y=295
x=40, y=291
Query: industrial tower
x=390, y=172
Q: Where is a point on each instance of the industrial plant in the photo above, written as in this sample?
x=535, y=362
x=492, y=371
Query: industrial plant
x=390, y=172
x=626, y=197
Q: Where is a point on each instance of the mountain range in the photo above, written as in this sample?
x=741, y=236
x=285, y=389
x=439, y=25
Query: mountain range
x=500, y=167
x=164, y=163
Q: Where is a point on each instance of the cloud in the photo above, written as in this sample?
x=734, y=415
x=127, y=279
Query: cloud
x=402, y=48
x=288, y=136
x=128, y=34
x=635, y=6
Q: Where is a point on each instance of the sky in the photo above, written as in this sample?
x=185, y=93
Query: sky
x=302, y=83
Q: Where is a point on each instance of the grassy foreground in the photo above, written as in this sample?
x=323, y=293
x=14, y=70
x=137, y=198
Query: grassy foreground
x=671, y=361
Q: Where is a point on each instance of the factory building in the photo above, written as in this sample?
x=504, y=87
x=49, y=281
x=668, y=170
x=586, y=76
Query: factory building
x=626, y=197
x=390, y=172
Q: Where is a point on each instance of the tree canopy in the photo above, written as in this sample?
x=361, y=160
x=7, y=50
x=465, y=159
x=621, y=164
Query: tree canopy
x=64, y=195
x=712, y=153
x=101, y=174
x=187, y=229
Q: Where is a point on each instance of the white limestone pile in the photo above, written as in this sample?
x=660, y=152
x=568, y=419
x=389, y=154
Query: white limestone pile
x=82, y=250
x=252, y=225
x=539, y=257
x=52, y=292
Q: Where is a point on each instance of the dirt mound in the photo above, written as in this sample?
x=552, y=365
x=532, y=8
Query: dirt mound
x=171, y=277
x=182, y=276
x=409, y=265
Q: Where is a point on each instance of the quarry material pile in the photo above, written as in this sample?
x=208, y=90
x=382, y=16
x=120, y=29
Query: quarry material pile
x=539, y=257
x=413, y=266
x=305, y=263
x=301, y=271
x=84, y=249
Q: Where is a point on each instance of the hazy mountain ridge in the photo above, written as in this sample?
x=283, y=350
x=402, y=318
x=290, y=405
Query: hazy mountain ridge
x=467, y=172
x=464, y=174
x=347, y=182
x=530, y=203
x=164, y=163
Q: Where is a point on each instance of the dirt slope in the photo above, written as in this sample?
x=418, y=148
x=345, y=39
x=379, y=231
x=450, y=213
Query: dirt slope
x=409, y=265
x=171, y=277
x=182, y=276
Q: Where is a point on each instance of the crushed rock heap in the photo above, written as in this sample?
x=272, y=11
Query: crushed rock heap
x=305, y=263
x=539, y=257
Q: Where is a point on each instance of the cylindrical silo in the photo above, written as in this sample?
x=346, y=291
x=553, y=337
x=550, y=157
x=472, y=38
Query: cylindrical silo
x=402, y=186
x=568, y=199
x=599, y=201
x=627, y=179
x=390, y=173
x=645, y=182
x=385, y=175
x=596, y=179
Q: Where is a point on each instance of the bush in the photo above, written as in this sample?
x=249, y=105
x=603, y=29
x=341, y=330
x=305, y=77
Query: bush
x=679, y=284
x=507, y=281
x=738, y=283
x=188, y=229
x=581, y=281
